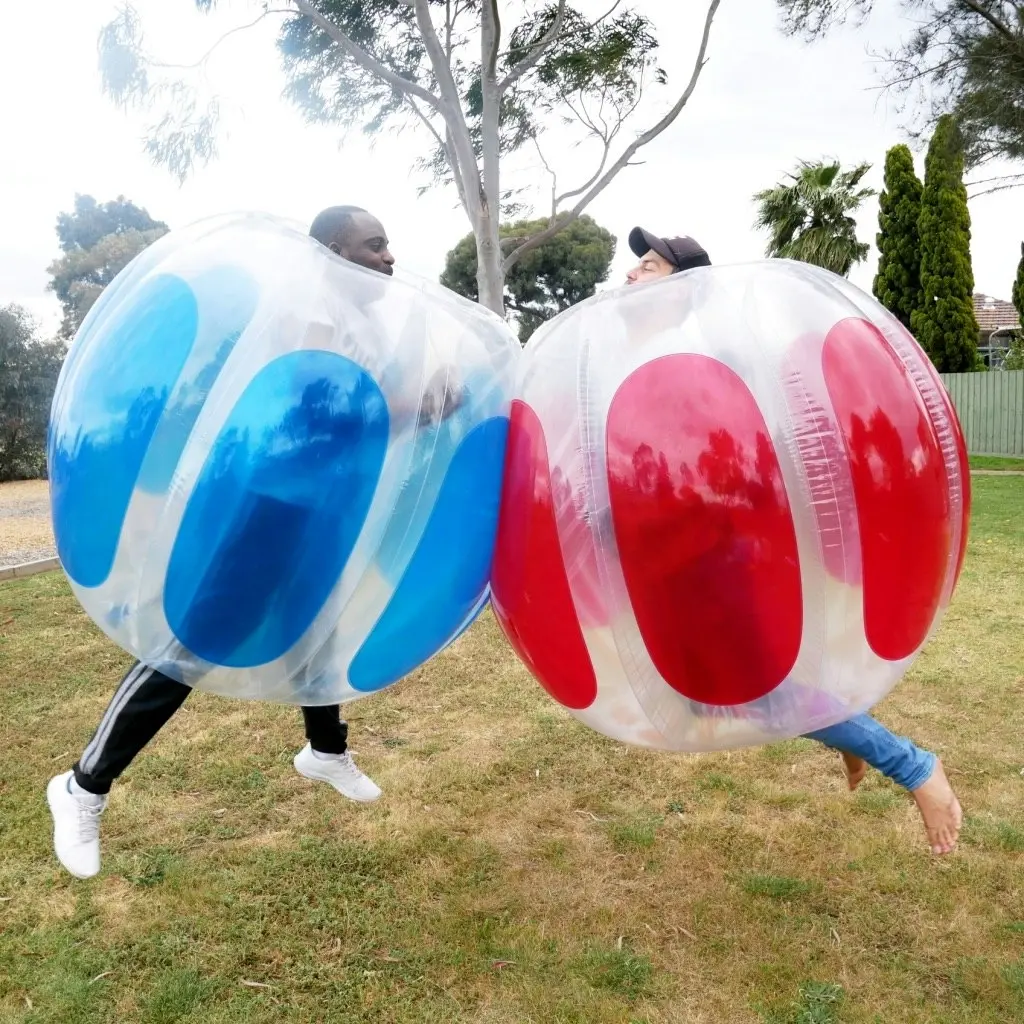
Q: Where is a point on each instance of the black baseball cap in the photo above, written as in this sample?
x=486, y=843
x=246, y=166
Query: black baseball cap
x=682, y=252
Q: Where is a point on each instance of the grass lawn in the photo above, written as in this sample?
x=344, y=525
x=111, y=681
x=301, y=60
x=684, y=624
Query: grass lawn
x=519, y=867
x=999, y=462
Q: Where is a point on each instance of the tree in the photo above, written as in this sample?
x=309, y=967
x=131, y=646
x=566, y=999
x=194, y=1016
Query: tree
x=90, y=221
x=564, y=270
x=963, y=56
x=1015, y=357
x=98, y=241
x=945, y=324
x=482, y=78
x=898, y=281
x=810, y=218
x=1017, y=294
x=28, y=377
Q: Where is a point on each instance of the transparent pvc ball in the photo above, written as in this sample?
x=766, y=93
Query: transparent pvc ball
x=275, y=474
x=736, y=504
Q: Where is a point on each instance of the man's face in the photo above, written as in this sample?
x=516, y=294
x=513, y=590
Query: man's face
x=366, y=243
x=651, y=268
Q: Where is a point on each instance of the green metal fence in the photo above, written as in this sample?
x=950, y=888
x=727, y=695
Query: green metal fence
x=991, y=410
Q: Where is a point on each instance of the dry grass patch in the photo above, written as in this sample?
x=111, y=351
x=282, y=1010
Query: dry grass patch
x=25, y=530
x=519, y=867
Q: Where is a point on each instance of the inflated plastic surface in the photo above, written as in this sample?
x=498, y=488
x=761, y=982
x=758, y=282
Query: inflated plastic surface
x=257, y=482
x=736, y=503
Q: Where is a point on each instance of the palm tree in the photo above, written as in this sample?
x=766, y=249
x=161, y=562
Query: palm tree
x=809, y=216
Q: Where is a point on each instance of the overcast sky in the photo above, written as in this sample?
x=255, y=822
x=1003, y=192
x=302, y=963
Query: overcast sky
x=762, y=103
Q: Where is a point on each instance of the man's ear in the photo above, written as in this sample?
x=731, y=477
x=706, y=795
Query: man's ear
x=335, y=248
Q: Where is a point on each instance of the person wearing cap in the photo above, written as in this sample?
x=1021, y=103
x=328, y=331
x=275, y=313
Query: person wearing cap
x=860, y=740
x=662, y=257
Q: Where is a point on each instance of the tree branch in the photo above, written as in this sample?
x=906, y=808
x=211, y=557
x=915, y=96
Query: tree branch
x=490, y=65
x=982, y=12
x=607, y=14
x=652, y=133
x=450, y=108
x=590, y=181
x=227, y=35
x=490, y=127
x=365, y=61
x=538, y=311
x=447, y=149
x=1004, y=183
x=531, y=60
x=554, y=179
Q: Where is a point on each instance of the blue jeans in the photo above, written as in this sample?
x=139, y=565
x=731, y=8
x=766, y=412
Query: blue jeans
x=894, y=756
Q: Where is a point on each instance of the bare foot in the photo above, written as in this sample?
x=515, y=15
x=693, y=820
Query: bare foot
x=856, y=768
x=940, y=810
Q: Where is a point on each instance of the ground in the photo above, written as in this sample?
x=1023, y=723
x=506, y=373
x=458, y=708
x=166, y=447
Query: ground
x=519, y=867
x=25, y=533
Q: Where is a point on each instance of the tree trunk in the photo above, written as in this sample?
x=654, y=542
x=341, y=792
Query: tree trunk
x=490, y=276
x=490, y=279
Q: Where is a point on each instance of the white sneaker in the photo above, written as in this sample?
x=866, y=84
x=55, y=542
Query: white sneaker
x=76, y=826
x=340, y=771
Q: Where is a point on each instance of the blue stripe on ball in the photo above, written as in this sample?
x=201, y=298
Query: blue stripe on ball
x=274, y=516
x=449, y=570
x=227, y=297
x=101, y=314
x=142, y=350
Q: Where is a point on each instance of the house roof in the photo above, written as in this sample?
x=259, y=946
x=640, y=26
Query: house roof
x=993, y=313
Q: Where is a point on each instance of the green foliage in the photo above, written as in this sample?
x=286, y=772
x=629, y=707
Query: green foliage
x=966, y=58
x=1015, y=357
x=818, y=1003
x=28, y=376
x=595, y=71
x=620, y=970
x=898, y=281
x=776, y=887
x=810, y=217
x=90, y=221
x=561, y=272
x=98, y=241
x=593, y=75
x=945, y=324
x=1017, y=294
x=482, y=79
x=640, y=833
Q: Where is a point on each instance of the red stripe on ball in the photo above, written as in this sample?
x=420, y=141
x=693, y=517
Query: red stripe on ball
x=704, y=530
x=529, y=587
x=899, y=482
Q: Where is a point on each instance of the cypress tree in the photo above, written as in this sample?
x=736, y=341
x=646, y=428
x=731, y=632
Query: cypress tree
x=1018, y=286
x=1015, y=357
x=945, y=324
x=898, y=281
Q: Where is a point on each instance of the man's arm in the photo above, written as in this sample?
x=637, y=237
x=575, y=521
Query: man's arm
x=443, y=396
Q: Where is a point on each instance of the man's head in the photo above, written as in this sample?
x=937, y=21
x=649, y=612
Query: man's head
x=662, y=257
x=354, y=235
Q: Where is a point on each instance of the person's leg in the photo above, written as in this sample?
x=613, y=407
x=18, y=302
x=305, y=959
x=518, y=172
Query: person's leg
x=325, y=730
x=894, y=756
x=863, y=738
x=143, y=703
x=326, y=757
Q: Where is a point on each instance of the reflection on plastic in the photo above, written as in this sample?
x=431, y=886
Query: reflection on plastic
x=704, y=532
x=735, y=507
x=899, y=486
x=530, y=588
x=453, y=557
x=277, y=509
x=257, y=483
x=93, y=472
